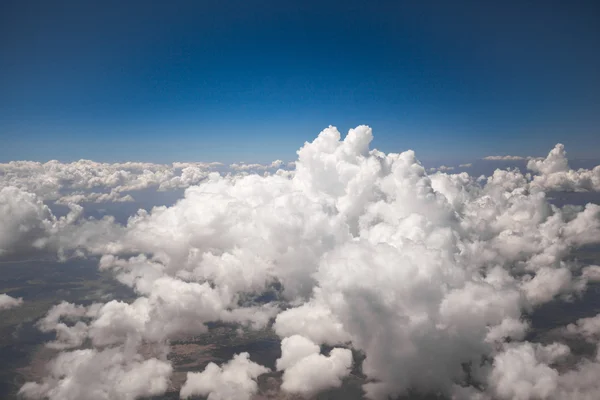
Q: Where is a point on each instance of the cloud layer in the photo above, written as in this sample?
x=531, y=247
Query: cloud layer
x=86, y=181
x=430, y=277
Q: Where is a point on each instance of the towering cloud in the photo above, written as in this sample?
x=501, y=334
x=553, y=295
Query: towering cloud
x=553, y=173
x=431, y=278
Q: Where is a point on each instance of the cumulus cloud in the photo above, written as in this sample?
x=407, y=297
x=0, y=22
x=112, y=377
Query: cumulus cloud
x=504, y=158
x=441, y=168
x=520, y=373
x=554, y=173
x=114, y=373
x=555, y=162
x=236, y=379
x=29, y=227
x=27, y=223
x=422, y=274
x=314, y=322
x=467, y=165
x=307, y=371
x=89, y=181
x=274, y=165
x=533, y=371
x=67, y=336
x=25, y=219
x=7, y=301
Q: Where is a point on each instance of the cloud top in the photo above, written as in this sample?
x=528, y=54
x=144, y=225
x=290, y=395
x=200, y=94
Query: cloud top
x=430, y=277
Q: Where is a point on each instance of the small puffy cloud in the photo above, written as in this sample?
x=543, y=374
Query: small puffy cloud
x=518, y=374
x=243, y=167
x=313, y=321
x=591, y=273
x=67, y=336
x=235, y=379
x=306, y=371
x=467, y=165
x=7, y=301
x=295, y=348
x=92, y=374
x=548, y=283
x=589, y=328
x=442, y=168
x=504, y=158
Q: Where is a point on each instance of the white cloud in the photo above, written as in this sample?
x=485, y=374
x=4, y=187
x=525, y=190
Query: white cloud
x=519, y=375
x=29, y=226
x=589, y=328
x=7, y=302
x=554, y=173
x=505, y=158
x=591, y=273
x=317, y=372
x=314, y=322
x=555, y=162
x=89, y=181
x=243, y=167
x=67, y=336
x=25, y=220
x=423, y=274
x=306, y=371
x=441, y=168
x=113, y=373
x=236, y=379
x=294, y=349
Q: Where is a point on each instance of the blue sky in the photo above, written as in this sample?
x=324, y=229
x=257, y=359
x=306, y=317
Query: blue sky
x=252, y=80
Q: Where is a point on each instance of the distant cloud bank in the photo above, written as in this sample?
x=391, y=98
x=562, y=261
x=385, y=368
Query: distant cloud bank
x=504, y=158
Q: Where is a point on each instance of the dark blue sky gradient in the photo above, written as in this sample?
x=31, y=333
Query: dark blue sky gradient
x=252, y=80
